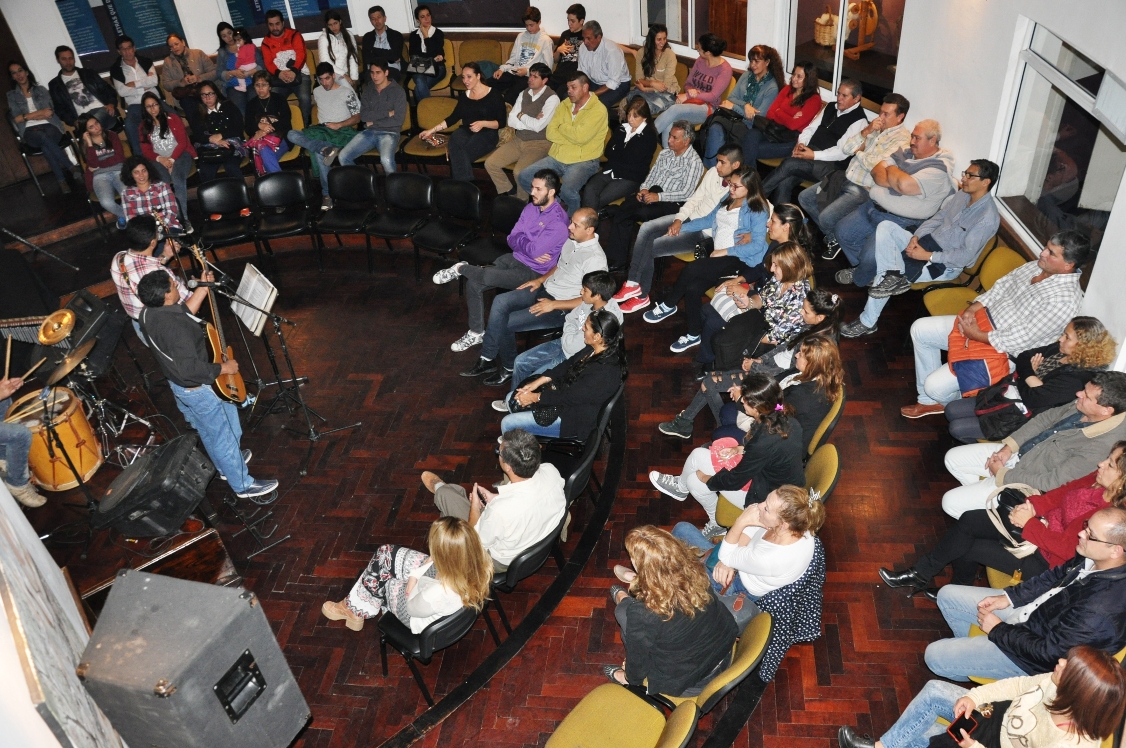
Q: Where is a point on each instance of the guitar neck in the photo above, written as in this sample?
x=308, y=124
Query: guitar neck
x=211, y=300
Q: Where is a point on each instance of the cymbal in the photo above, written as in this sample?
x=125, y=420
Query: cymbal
x=56, y=327
x=73, y=359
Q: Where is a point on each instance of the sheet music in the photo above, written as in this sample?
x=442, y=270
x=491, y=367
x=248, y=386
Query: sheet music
x=259, y=291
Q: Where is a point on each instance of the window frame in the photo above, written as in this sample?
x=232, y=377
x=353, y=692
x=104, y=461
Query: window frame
x=738, y=61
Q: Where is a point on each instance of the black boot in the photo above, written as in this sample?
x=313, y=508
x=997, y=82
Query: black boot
x=847, y=738
x=906, y=578
x=483, y=366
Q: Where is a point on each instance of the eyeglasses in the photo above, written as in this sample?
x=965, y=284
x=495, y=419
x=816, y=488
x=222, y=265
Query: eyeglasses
x=1091, y=536
x=207, y=94
x=970, y=175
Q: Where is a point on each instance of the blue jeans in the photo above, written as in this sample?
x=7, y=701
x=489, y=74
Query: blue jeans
x=755, y=146
x=934, y=381
x=574, y=176
x=133, y=117
x=691, y=535
x=386, y=142
x=314, y=148
x=890, y=241
x=46, y=138
x=219, y=430
x=856, y=233
x=658, y=101
x=178, y=178
x=107, y=185
x=963, y=656
x=696, y=114
x=422, y=83
x=612, y=96
x=537, y=360
x=851, y=196
x=525, y=420
x=302, y=88
x=917, y=725
x=270, y=156
x=15, y=445
x=508, y=316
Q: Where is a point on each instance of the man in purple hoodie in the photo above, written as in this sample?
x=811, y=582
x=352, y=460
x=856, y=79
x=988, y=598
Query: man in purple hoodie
x=536, y=240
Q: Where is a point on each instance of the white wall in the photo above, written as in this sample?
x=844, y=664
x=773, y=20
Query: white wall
x=40, y=21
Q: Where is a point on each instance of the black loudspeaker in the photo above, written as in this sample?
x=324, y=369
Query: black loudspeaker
x=158, y=491
x=90, y=316
x=180, y=664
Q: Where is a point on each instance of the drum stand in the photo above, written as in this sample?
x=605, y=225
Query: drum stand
x=251, y=524
x=106, y=413
x=54, y=441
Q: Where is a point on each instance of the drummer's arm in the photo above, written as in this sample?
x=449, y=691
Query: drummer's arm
x=9, y=387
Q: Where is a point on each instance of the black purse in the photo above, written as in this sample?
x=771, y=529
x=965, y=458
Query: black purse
x=773, y=131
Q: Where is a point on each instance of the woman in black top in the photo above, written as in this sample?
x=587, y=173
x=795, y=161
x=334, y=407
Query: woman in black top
x=677, y=634
x=481, y=111
x=628, y=155
x=565, y=401
x=220, y=144
x=268, y=121
x=427, y=42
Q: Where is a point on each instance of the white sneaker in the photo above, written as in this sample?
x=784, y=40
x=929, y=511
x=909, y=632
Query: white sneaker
x=668, y=485
x=467, y=341
x=26, y=495
x=501, y=406
x=713, y=529
x=447, y=274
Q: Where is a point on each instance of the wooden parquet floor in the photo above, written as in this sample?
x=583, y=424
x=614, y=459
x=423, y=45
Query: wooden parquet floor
x=376, y=349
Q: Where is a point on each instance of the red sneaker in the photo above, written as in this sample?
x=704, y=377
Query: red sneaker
x=635, y=304
x=215, y=216
x=629, y=290
x=245, y=212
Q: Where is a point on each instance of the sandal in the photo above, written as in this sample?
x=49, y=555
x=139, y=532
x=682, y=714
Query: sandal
x=609, y=670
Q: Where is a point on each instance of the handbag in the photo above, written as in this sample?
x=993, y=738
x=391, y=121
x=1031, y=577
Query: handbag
x=998, y=505
x=773, y=131
x=997, y=415
x=180, y=92
x=990, y=721
x=703, y=248
x=421, y=65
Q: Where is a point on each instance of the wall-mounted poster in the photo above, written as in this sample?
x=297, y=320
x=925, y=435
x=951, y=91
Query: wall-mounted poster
x=308, y=15
x=147, y=22
x=84, y=32
x=485, y=13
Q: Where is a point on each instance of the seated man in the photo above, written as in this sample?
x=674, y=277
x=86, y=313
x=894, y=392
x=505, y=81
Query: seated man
x=529, y=118
x=598, y=292
x=384, y=44
x=183, y=69
x=910, y=186
x=533, y=46
x=1031, y=627
x=1053, y=448
x=879, y=139
x=661, y=237
x=76, y=91
x=1029, y=308
x=338, y=109
x=133, y=76
x=819, y=150
x=383, y=109
x=671, y=181
x=15, y=445
x=604, y=64
x=536, y=240
x=940, y=249
x=521, y=513
x=283, y=51
x=577, y=133
x=540, y=303
x=180, y=346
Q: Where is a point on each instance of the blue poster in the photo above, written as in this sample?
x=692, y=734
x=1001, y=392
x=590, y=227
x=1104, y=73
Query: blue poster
x=306, y=8
x=245, y=13
x=148, y=22
x=84, y=32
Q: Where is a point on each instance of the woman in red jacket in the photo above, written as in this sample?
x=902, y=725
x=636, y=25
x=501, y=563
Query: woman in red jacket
x=165, y=142
x=794, y=107
x=1050, y=521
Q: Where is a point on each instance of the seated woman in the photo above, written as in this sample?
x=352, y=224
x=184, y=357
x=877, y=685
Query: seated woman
x=704, y=87
x=738, y=226
x=753, y=94
x=770, y=456
x=480, y=110
x=268, y=122
x=146, y=194
x=419, y=589
x=1045, y=378
x=628, y=155
x=220, y=145
x=32, y=114
x=103, y=156
x=233, y=72
x=565, y=400
x=426, y=47
x=1050, y=521
x=1080, y=703
x=821, y=313
x=165, y=143
x=337, y=46
x=677, y=633
x=655, y=65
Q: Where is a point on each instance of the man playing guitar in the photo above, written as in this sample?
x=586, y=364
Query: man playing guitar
x=181, y=347
x=15, y=444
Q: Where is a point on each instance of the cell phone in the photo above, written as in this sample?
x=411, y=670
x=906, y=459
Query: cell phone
x=965, y=722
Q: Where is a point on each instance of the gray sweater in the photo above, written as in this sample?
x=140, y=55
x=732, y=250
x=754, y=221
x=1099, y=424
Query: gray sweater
x=385, y=109
x=1063, y=456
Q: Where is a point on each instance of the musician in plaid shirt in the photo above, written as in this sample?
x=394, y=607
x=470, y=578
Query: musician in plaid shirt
x=145, y=194
x=1029, y=308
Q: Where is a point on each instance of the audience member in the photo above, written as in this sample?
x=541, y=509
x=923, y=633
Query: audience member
x=655, y=70
x=133, y=76
x=604, y=64
x=661, y=237
x=835, y=196
x=532, y=46
x=577, y=133
x=1033, y=625
x=522, y=512
x=183, y=71
x=268, y=122
x=677, y=634
x=703, y=88
x=427, y=47
x=103, y=155
x=628, y=155
x=567, y=51
x=529, y=118
x=383, y=110
x=15, y=445
x=219, y=142
x=165, y=143
x=753, y=95
x=145, y=194
x=383, y=43
x=821, y=314
x=416, y=588
x=238, y=61
x=337, y=46
x=541, y=302
x=481, y=110
x=338, y=109
x=76, y=91
x=818, y=151
x=536, y=241
x=940, y=249
x=29, y=106
x=1027, y=308
x=283, y=51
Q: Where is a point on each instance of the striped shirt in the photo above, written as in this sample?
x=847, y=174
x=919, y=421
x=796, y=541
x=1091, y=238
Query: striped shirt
x=158, y=197
x=677, y=175
x=1029, y=315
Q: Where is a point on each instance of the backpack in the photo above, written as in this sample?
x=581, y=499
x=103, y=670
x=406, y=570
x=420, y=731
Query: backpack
x=997, y=415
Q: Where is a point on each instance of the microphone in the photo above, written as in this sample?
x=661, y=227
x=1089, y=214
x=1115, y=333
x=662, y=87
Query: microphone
x=193, y=283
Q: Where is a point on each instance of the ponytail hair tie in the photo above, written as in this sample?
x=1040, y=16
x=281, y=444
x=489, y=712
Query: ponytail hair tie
x=779, y=406
x=835, y=298
x=814, y=495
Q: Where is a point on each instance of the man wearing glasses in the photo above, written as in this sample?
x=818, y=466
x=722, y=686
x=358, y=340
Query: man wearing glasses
x=1031, y=626
x=939, y=249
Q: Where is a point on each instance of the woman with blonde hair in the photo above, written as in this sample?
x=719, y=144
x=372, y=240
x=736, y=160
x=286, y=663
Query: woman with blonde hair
x=677, y=634
x=417, y=588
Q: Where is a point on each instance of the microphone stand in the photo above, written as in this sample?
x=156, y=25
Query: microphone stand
x=36, y=249
x=289, y=390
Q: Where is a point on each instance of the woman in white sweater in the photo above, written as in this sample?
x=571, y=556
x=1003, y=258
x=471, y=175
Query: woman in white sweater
x=1077, y=705
x=419, y=589
x=336, y=45
x=531, y=46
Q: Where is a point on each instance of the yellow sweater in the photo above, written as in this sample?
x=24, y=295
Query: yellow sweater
x=581, y=137
x=1027, y=722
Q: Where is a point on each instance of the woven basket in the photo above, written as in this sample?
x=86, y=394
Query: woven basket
x=825, y=34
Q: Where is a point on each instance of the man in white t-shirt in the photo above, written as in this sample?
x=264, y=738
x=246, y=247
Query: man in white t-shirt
x=76, y=91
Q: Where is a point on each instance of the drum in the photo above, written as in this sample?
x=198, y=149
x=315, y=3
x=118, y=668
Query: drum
x=70, y=423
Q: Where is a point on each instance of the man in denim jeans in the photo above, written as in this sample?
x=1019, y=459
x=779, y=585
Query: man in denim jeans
x=180, y=346
x=15, y=445
x=383, y=108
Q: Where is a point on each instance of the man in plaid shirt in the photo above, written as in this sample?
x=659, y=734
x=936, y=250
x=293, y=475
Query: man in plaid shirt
x=1029, y=308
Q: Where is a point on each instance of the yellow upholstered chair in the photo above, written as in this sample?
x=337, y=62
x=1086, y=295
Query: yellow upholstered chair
x=828, y=423
x=749, y=650
x=681, y=74
x=821, y=472
x=448, y=53
x=612, y=716
x=431, y=111
x=296, y=122
x=999, y=580
x=946, y=301
x=474, y=50
x=969, y=275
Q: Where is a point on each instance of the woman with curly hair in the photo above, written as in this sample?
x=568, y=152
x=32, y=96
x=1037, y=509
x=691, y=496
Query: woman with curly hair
x=1045, y=377
x=677, y=633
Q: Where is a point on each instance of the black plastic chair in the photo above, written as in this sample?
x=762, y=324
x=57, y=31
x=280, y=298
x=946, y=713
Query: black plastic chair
x=458, y=203
x=410, y=198
x=227, y=198
x=486, y=249
x=575, y=459
x=352, y=189
x=284, y=208
x=523, y=566
x=444, y=632
x=27, y=150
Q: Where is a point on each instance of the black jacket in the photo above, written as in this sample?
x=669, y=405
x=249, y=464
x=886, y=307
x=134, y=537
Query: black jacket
x=769, y=461
x=810, y=407
x=631, y=160
x=395, y=54
x=64, y=105
x=435, y=45
x=276, y=108
x=1089, y=611
x=225, y=121
x=580, y=401
x=1060, y=384
x=179, y=344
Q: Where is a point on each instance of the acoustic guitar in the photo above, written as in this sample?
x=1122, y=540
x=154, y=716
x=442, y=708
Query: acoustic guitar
x=227, y=386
